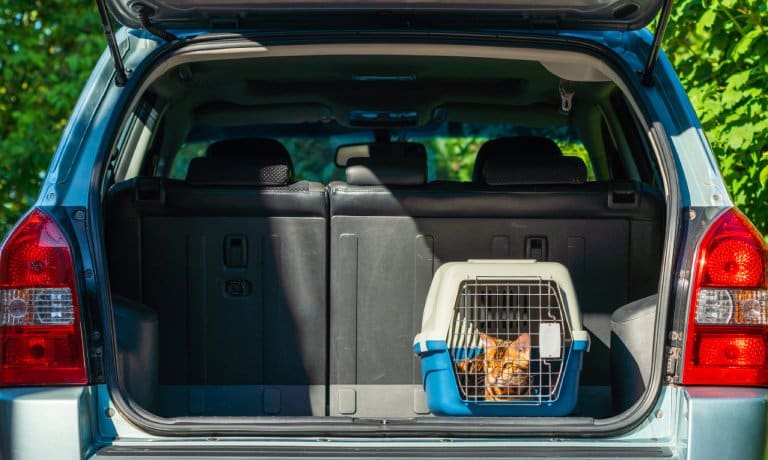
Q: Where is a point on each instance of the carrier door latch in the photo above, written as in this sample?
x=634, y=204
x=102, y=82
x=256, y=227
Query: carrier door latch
x=536, y=247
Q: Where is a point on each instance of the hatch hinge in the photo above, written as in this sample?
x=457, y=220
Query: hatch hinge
x=121, y=77
x=658, y=36
x=672, y=361
x=96, y=357
x=145, y=12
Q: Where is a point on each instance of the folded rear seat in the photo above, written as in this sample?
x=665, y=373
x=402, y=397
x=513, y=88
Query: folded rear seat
x=233, y=260
x=388, y=240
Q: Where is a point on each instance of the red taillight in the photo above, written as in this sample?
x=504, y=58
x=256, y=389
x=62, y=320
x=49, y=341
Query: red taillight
x=722, y=349
x=732, y=254
x=727, y=340
x=40, y=338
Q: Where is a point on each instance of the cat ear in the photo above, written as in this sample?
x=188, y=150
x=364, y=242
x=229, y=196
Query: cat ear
x=487, y=341
x=524, y=342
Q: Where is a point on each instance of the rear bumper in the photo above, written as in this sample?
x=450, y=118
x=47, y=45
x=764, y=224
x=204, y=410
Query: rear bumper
x=39, y=423
x=694, y=423
x=725, y=423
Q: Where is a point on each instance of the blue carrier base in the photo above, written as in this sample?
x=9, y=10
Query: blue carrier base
x=443, y=397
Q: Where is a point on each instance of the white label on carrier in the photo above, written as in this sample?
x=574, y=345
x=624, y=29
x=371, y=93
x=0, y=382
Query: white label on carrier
x=549, y=340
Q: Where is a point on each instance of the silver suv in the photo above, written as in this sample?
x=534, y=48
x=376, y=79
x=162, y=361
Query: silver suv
x=254, y=201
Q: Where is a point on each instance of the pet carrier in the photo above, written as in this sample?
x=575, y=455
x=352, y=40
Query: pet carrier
x=501, y=337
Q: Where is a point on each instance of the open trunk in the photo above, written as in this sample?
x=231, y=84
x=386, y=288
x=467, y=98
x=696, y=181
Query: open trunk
x=248, y=287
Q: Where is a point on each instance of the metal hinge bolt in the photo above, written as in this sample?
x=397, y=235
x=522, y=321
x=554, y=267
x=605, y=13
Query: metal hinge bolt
x=673, y=357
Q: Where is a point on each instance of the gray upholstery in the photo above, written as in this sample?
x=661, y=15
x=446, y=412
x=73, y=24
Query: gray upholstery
x=628, y=200
x=260, y=325
x=516, y=147
x=387, y=242
x=237, y=276
x=386, y=171
x=137, y=350
x=505, y=170
x=155, y=195
x=244, y=162
x=246, y=172
x=250, y=147
x=632, y=328
x=381, y=150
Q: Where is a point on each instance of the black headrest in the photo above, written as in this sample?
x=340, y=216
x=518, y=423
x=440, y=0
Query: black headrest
x=248, y=161
x=501, y=170
x=387, y=171
x=399, y=150
x=246, y=148
x=518, y=147
x=380, y=150
x=256, y=172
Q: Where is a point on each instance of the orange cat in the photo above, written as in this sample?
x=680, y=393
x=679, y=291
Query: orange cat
x=501, y=370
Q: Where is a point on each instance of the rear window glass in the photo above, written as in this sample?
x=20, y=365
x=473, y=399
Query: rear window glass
x=187, y=152
x=453, y=158
x=451, y=150
x=313, y=158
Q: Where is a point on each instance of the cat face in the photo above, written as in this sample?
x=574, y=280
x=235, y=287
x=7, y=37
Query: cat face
x=506, y=366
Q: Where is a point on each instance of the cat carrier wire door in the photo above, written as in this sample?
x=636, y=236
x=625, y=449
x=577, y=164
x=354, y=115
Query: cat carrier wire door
x=501, y=338
x=521, y=326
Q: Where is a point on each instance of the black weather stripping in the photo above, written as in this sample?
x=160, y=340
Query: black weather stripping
x=661, y=27
x=145, y=12
x=121, y=78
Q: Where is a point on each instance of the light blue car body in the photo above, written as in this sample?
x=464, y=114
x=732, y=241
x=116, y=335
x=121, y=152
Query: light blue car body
x=695, y=423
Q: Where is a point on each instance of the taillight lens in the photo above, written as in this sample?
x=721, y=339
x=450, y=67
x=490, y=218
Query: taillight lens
x=727, y=340
x=40, y=338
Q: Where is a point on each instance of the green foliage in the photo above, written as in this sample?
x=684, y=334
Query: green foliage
x=187, y=152
x=453, y=157
x=313, y=159
x=47, y=52
x=577, y=149
x=720, y=51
